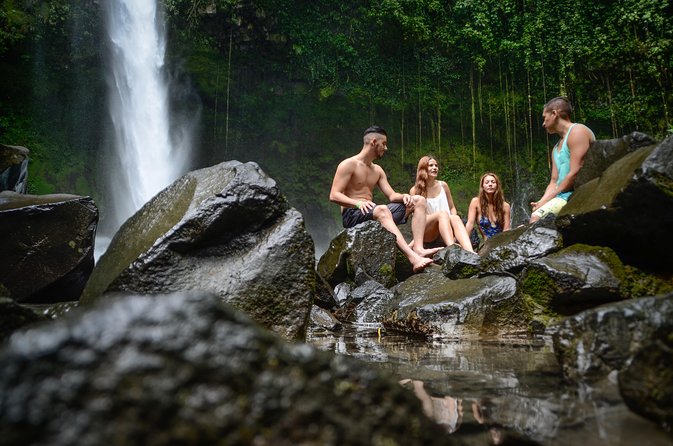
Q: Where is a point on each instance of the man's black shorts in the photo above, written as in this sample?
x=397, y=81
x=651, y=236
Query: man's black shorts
x=353, y=216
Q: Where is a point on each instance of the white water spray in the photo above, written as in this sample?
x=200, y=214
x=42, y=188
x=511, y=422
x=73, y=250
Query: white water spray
x=146, y=160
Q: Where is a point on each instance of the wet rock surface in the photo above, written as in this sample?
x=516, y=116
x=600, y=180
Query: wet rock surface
x=367, y=247
x=596, y=342
x=47, y=243
x=629, y=209
x=646, y=383
x=13, y=168
x=511, y=250
x=226, y=229
x=603, y=153
x=186, y=368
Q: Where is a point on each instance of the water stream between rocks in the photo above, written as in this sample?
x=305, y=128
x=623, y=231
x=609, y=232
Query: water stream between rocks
x=488, y=392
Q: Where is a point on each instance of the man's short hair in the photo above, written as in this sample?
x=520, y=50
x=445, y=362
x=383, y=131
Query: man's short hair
x=560, y=104
x=375, y=129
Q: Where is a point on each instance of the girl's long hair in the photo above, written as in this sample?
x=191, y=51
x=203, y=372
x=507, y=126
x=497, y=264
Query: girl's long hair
x=421, y=185
x=498, y=199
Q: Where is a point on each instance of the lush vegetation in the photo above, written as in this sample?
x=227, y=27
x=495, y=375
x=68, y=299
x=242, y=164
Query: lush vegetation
x=292, y=83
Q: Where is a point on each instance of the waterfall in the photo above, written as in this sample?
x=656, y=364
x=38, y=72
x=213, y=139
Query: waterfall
x=148, y=153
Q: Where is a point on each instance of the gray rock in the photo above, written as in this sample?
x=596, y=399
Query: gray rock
x=13, y=168
x=574, y=279
x=47, y=243
x=323, y=319
x=14, y=317
x=185, y=368
x=603, y=153
x=596, y=342
x=367, y=246
x=370, y=299
x=646, y=384
x=511, y=250
x=430, y=304
x=460, y=264
x=629, y=209
x=324, y=295
x=226, y=229
x=341, y=292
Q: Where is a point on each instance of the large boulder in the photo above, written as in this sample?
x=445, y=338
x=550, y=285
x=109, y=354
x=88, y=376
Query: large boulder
x=629, y=209
x=226, y=229
x=594, y=343
x=368, y=247
x=432, y=305
x=603, y=153
x=186, y=369
x=13, y=168
x=47, y=243
x=511, y=251
x=581, y=277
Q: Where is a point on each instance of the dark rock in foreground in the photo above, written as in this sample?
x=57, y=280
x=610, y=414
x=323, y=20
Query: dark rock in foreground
x=646, y=384
x=13, y=317
x=47, y=243
x=225, y=229
x=596, y=342
x=186, y=369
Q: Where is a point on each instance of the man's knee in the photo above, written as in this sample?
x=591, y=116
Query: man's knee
x=382, y=212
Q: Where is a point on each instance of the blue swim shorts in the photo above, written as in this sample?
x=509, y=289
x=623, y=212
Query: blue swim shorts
x=353, y=216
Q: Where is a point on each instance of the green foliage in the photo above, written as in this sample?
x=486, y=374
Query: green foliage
x=290, y=84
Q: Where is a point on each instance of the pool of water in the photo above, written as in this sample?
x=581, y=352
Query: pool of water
x=498, y=392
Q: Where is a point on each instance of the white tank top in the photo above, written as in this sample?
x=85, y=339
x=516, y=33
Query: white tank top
x=439, y=203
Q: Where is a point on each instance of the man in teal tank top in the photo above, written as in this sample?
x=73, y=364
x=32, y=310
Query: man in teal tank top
x=567, y=156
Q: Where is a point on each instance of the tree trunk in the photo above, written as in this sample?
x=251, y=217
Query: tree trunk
x=474, y=124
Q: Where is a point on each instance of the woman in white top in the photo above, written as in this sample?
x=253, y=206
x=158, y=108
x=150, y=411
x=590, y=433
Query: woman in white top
x=442, y=218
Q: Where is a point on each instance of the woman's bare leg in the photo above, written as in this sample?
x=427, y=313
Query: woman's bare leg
x=461, y=233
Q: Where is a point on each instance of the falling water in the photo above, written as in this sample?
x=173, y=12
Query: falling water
x=145, y=159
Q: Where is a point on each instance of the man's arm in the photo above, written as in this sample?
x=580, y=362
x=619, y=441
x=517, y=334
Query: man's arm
x=579, y=142
x=388, y=190
x=550, y=191
x=342, y=177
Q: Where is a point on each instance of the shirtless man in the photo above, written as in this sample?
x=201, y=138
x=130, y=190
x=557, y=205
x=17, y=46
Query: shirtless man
x=567, y=156
x=353, y=188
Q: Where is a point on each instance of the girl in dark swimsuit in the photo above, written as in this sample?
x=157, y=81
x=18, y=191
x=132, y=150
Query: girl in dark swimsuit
x=489, y=212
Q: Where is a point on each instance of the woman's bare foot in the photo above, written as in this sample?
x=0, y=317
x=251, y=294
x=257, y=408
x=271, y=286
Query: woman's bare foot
x=423, y=252
x=419, y=263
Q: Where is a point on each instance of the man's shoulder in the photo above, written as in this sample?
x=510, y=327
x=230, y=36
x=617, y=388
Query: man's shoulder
x=581, y=134
x=583, y=130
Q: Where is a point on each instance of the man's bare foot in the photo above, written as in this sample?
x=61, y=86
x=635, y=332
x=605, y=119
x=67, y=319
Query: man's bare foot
x=420, y=263
x=423, y=252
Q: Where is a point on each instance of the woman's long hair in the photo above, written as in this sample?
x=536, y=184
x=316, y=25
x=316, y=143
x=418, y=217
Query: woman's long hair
x=498, y=199
x=421, y=185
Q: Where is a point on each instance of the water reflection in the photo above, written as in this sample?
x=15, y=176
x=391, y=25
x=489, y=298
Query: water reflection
x=498, y=392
